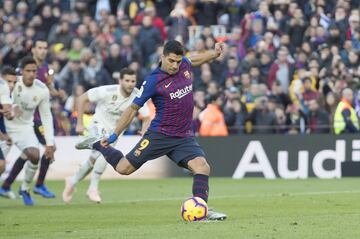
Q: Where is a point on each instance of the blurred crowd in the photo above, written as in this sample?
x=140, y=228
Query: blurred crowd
x=283, y=70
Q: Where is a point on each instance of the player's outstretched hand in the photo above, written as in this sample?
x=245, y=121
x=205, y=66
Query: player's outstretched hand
x=49, y=152
x=104, y=142
x=219, y=47
x=17, y=111
x=6, y=138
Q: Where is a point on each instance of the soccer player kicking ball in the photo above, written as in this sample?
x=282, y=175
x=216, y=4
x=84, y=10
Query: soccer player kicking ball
x=28, y=94
x=111, y=101
x=170, y=133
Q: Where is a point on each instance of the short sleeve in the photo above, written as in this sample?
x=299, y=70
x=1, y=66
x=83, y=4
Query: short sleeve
x=147, y=90
x=96, y=94
x=5, y=94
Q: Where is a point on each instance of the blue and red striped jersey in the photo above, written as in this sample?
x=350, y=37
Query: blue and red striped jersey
x=173, y=99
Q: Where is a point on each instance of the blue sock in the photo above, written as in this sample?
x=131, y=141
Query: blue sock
x=111, y=155
x=201, y=186
x=44, y=167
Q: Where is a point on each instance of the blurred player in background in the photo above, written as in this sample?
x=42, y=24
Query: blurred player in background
x=29, y=93
x=45, y=75
x=7, y=82
x=170, y=133
x=111, y=101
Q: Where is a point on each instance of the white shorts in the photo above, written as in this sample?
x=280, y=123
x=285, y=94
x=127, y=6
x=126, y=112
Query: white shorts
x=24, y=138
x=5, y=148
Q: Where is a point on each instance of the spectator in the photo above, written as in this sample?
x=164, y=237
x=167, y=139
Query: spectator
x=345, y=118
x=96, y=75
x=149, y=37
x=279, y=97
x=263, y=121
x=156, y=21
x=335, y=38
x=318, y=119
x=71, y=75
x=178, y=23
x=256, y=33
x=61, y=34
x=83, y=34
x=206, y=78
x=207, y=12
x=295, y=118
x=231, y=70
x=319, y=40
x=115, y=61
x=281, y=70
x=212, y=118
x=297, y=28
x=235, y=112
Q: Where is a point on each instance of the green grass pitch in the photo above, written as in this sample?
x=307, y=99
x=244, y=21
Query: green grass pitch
x=256, y=208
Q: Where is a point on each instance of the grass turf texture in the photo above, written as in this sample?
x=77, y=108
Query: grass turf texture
x=256, y=208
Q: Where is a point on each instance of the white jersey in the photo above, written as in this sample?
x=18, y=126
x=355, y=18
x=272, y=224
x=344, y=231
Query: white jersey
x=110, y=104
x=28, y=99
x=4, y=93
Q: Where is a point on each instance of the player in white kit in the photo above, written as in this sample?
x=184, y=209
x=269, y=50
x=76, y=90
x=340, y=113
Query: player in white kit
x=111, y=101
x=8, y=74
x=28, y=94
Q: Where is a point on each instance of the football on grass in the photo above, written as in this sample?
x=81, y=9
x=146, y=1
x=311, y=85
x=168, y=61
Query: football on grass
x=194, y=209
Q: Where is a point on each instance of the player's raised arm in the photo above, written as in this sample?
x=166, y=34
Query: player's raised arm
x=200, y=58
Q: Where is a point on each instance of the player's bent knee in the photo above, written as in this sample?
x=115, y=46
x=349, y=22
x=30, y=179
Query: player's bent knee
x=199, y=165
x=32, y=154
x=124, y=167
x=124, y=171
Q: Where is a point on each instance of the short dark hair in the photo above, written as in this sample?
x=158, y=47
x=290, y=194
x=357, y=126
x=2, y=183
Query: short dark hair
x=126, y=71
x=214, y=97
x=27, y=60
x=37, y=39
x=173, y=46
x=8, y=70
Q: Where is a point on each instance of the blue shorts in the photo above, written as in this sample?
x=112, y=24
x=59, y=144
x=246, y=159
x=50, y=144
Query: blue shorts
x=153, y=145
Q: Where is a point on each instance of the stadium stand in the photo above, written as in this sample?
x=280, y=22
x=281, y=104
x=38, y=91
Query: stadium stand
x=285, y=66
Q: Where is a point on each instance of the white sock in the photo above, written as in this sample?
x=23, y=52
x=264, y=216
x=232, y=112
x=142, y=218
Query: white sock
x=82, y=172
x=30, y=170
x=99, y=168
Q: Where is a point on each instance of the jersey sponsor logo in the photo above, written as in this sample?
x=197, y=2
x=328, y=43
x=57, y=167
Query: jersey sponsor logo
x=166, y=86
x=180, y=93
